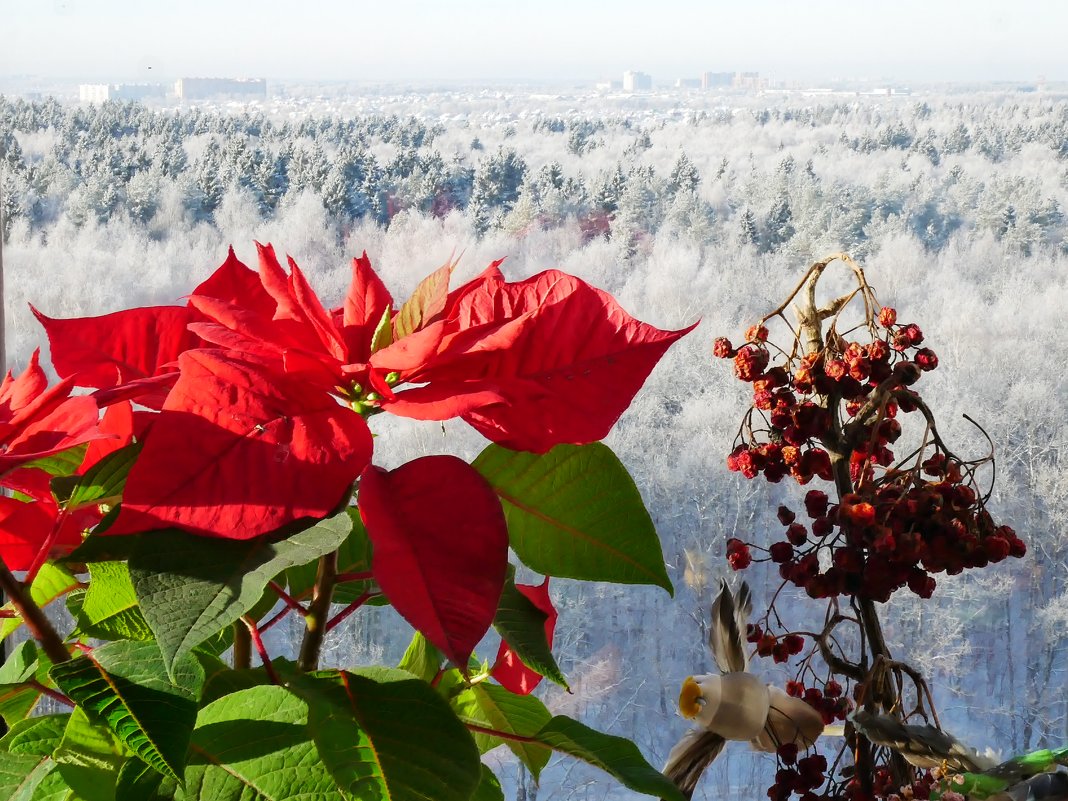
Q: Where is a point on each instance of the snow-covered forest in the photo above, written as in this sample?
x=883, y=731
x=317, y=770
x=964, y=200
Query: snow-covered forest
x=953, y=204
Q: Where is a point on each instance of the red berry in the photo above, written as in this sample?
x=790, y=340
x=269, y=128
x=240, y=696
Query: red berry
x=816, y=503
x=722, y=348
x=797, y=534
x=788, y=753
x=887, y=316
x=795, y=643
x=756, y=333
x=750, y=361
x=926, y=359
x=781, y=552
x=832, y=689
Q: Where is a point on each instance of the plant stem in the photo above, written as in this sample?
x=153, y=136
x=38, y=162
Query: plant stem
x=39, y=626
x=55, y=695
x=318, y=614
x=242, y=647
x=287, y=599
x=254, y=635
x=504, y=735
x=348, y=610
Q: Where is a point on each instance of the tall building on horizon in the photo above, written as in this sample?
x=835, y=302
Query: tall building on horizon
x=637, y=81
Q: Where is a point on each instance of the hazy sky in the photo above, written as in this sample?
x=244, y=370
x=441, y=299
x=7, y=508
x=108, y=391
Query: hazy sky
x=550, y=39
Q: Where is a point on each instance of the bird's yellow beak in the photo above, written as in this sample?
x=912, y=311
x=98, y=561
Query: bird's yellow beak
x=690, y=699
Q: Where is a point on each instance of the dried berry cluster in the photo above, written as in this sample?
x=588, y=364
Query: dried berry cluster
x=801, y=776
x=899, y=522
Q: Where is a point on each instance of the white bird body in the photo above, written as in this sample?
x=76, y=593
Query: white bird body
x=735, y=704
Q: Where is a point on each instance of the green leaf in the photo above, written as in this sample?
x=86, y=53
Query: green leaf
x=371, y=735
x=18, y=696
x=38, y=736
x=575, y=512
x=25, y=777
x=422, y=659
x=614, y=755
x=50, y=583
x=109, y=609
x=490, y=706
x=383, y=336
x=189, y=587
x=64, y=463
x=102, y=483
x=254, y=745
x=126, y=686
x=88, y=759
x=522, y=625
x=489, y=788
x=354, y=556
x=102, y=547
x=138, y=782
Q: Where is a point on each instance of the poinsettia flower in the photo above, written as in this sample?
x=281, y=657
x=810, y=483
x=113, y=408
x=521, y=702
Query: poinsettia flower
x=38, y=421
x=530, y=364
x=508, y=669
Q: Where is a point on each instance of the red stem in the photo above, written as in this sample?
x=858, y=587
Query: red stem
x=504, y=735
x=348, y=610
x=55, y=695
x=288, y=599
x=281, y=613
x=257, y=643
x=367, y=575
x=46, y=548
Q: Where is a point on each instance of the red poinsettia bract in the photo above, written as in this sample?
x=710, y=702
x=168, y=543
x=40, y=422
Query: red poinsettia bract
x=440, y=548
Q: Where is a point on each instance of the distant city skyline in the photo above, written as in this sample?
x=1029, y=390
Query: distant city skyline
x=551, y=40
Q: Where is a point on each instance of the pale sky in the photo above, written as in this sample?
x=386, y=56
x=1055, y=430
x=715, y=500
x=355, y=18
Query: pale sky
x=413, y=40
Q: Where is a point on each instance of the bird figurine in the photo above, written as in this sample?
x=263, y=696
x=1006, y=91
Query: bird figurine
x=921, y=745
x=735, y=704
x=1035, y=776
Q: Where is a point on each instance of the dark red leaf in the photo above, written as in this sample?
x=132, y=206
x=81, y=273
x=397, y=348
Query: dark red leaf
x=239, y=451
x=440, y=548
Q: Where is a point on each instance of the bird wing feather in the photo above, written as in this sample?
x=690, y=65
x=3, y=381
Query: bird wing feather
x=691, y=755
x=726, y=637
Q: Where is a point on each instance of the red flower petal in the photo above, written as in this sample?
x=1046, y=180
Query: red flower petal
x=440, y=548
x=116, y=348
x=71, y=423
x=239, y=451
x=118, y=423
x=565, y=356
x=18, y=393
x=364, y=306
x=25, y=526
